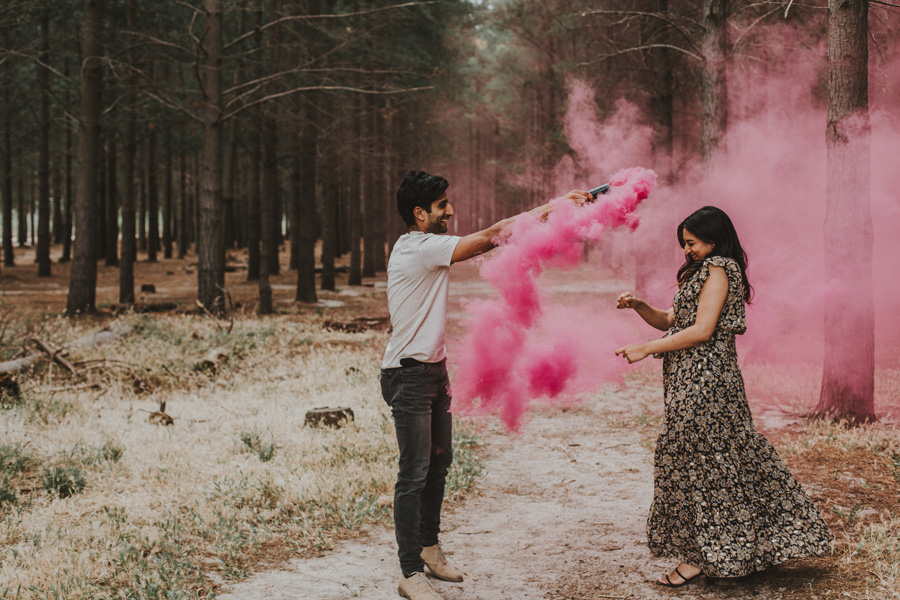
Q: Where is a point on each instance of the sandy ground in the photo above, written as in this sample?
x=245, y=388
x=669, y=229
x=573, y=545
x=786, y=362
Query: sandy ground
x=560, y=514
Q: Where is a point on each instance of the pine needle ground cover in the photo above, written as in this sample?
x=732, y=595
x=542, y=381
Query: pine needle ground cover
x=100, y=500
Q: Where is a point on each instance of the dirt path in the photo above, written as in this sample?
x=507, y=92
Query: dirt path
x=560, y=514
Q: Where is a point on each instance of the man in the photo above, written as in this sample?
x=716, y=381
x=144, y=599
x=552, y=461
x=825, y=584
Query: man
x=414, y=379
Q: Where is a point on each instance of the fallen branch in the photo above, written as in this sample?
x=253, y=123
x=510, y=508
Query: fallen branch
x=100, y=337
x=216, y=320
x=71, y=388
x=54, y=354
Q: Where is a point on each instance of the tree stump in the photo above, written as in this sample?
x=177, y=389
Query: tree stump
x=148, y=288
x=329, y=417
x=160, y=417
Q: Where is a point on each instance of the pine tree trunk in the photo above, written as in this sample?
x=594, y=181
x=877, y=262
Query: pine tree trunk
x=270, y=180
x=167, y=203
x=142, y=200
x=210, y=245
x=58, y=227
x=152, y=199
x=232, y=196
x=43, y=239
x=369, y=193
x=294, y=180
x=305, y=163
x=9, y=258
x=380, y=191
x=254, y=203
x=100, y=214
x=662, y=101
x=129, y=243
x=70, y=196
x=184, y=222
x=714, y=90
x=275, y=223
x=83, y=278
x=354, y=199
x=328, y=207
x=32, y=208
x=112, y=205
x=848, y=374
x=268, y=263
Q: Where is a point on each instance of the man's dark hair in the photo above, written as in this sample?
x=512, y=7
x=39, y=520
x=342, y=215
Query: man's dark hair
x=418, y=188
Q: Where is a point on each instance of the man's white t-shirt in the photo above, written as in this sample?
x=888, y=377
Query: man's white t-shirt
x=417, y=291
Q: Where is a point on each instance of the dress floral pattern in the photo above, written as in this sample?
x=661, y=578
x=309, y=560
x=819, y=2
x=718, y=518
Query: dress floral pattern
x=723, y=499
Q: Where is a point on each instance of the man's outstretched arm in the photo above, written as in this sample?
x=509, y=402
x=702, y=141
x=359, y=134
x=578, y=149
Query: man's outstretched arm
x=482, y=241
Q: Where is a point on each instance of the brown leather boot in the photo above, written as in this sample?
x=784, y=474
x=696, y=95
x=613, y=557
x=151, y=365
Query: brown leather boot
x=417, y=587
x=437, y=562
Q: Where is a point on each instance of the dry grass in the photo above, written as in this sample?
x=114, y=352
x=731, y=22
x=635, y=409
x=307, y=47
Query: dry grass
x=854, y=475
x=167, y=512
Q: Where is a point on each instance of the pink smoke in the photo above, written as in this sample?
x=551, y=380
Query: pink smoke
x=531, y=342
x=515, y=350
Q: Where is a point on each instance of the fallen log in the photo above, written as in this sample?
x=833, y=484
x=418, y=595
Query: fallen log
x=94, y=339
x=154, y=307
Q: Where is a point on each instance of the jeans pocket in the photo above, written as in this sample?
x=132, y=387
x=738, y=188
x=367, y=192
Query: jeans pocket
x=386, y=391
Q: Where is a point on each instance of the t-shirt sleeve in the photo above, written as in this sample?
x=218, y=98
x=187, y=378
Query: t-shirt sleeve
x=437, y=250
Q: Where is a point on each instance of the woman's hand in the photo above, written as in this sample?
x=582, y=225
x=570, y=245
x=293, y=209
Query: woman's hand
x=628, y=300
x=633, y=352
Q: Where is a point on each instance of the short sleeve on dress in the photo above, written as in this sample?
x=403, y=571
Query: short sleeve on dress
x=733, y=313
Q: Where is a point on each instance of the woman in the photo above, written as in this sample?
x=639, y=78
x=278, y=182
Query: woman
x=723, y=503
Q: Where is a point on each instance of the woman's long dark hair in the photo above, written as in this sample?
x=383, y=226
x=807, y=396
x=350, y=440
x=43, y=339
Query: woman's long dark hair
x=712, y=226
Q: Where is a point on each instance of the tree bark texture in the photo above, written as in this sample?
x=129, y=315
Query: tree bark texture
x=70, y=196
x=129, y=243
x=308, y=226
x=380, y=189
x=43, y=238
x=270, y=181
x=848, y=373
x=8, y=249
x=254, y=203
x=368, y=193
x=354, y=200
x=184, y=229
x=328, y=207
x=83, y=278
x=112, y=205
x=168, y=217
x=152, y=198
x=268, y=264
x=713, y=85
x=210, y=245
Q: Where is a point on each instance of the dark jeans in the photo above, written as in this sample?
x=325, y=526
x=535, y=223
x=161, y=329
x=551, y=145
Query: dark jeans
x=419, y=397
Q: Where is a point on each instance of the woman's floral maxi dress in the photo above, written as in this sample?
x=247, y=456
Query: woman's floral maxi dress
x=723, y=499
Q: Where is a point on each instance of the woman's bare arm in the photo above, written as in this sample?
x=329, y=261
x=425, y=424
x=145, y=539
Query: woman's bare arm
x=655, y=317
x=709, y=307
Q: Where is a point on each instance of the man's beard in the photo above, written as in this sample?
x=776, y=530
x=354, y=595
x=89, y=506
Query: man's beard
x=437, y=227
